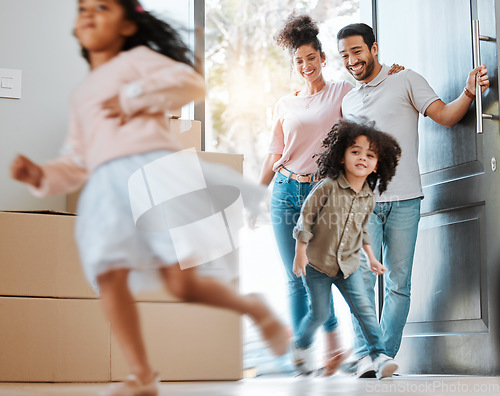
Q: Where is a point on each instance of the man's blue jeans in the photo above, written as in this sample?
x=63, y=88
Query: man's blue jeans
x=286, y=201
x=353, y=291
x=393, y=228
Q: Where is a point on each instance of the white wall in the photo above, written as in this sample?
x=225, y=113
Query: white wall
x=36, y=37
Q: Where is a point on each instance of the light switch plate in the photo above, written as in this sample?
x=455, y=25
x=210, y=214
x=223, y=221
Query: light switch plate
x=10, y=86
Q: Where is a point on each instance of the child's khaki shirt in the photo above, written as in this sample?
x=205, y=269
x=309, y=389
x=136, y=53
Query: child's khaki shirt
x=333, y=223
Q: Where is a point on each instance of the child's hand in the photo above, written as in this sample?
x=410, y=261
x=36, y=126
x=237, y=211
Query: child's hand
x=114, y=109
x=299, y=264
x=377, y=268
x=26, y=171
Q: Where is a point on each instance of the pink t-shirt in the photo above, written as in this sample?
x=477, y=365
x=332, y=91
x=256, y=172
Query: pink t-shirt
x=300, y=124
x=148, y=85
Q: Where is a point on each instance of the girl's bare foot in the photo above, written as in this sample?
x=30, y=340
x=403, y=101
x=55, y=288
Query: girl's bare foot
x=132, y=386
x=333, y=361
x=273, y=331
x=335, y=353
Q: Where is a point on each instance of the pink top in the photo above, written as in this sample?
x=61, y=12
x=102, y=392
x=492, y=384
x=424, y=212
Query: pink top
x=302, y=122
x=148, y=84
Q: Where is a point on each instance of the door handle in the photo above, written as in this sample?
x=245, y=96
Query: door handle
x=476, y=39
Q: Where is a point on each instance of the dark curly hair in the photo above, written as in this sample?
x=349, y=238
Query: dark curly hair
x=298, y=30
x=358, y=29
x=342, y=136
x=153, y=33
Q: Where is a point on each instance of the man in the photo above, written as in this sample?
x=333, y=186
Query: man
x=394, y=102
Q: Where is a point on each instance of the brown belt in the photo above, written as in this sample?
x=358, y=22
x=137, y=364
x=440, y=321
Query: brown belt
x=300, y=178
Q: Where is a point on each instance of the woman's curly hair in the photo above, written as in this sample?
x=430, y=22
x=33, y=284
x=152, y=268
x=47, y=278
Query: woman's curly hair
x=153, y=33
x=342, y=136
x=298, y=30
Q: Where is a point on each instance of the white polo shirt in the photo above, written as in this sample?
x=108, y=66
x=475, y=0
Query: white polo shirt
x=394, y=103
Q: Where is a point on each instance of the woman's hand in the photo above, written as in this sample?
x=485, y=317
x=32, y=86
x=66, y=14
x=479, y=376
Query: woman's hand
x=26, y=171
x=395, y=68
x=114, y=108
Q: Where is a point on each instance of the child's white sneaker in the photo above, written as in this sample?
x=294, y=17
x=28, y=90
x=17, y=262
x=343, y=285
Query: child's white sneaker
x=303, y=359
x=133, y=387
x=366, y=368
x=385, y=366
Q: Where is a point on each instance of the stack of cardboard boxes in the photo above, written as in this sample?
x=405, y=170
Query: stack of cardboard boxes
x=52, y=326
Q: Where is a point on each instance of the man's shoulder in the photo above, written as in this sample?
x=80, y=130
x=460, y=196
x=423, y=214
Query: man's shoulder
x=402, y=81
x=406, y=75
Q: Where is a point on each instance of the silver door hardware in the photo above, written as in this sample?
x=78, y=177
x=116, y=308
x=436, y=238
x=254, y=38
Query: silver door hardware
x=476, y=38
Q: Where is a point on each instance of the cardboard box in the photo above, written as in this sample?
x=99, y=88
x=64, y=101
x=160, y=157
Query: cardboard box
x=72, y=201
x=187, y=131
x=234, y=161
x=39, y=257
x=68, y=340
x=53, y=340
x=187, y=342
x=176, y=113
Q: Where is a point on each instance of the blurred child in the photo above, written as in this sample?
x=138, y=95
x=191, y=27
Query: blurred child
x=140, y=69
x=332, y=230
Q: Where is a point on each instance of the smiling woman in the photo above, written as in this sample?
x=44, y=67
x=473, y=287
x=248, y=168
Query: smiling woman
x=308, y=61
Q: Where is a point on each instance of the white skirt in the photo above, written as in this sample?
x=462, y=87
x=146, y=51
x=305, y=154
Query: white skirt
x=146, y=211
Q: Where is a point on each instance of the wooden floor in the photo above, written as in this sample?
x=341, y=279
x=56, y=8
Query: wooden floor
x=336, y=385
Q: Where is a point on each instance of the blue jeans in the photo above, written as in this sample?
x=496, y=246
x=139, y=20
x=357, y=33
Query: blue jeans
x=286, y=201
x=393, y=228
x=353, y=291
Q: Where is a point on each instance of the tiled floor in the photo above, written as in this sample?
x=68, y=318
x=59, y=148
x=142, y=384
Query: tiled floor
x=337, y=385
